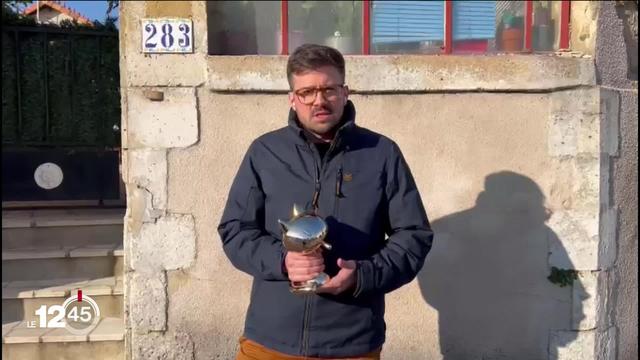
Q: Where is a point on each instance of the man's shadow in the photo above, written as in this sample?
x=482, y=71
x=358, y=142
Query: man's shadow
x=486, y=275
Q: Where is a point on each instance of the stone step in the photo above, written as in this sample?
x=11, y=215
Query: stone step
x=71, y=236
x=12, y=219
x=61, y=228
x=90, y=261
x=105, y=341
x=25, y=309
x=17, y=332
x=21, y=299
x=63, y=252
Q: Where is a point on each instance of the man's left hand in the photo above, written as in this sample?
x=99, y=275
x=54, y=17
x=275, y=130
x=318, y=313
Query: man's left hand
x=345, y=278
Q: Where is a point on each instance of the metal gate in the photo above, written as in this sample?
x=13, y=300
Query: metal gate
x=60, y=116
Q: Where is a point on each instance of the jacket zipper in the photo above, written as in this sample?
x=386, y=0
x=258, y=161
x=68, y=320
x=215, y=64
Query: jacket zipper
x=316, y=197
x=305, y=330
x=316, y=192
x=307, y=300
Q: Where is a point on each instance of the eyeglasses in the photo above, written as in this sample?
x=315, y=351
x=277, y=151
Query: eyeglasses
x=308, y=95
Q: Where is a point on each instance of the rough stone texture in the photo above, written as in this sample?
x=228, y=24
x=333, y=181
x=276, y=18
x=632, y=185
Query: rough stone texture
x=167, y=244
x=148, y=169
x=575, y=127
x=572, y=345
x=148, y=310
x=168, y=346
x=579, y=247
x=610, y=124
x=608, y=350
x=628, y=12
x=604, y=302
x=170, y=123
x=139, y=210
x=608, y=252
x=413, y=73
x=574, y=141
x=626, y=198
x=611, y=54
x=584, y=294
x=619, y=300
x=161, y=69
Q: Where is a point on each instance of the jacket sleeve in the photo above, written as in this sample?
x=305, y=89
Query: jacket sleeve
x=244, y=238
x=410, y=234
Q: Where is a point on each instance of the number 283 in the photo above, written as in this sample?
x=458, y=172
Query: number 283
x=168, y=35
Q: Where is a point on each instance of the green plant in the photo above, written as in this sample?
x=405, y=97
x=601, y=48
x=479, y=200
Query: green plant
x=562, y=277
x=12, y=13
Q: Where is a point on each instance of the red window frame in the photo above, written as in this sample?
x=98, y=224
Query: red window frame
x=565, y=15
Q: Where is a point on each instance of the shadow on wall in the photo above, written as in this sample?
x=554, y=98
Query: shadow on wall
x=628, y=12
x=487, y=277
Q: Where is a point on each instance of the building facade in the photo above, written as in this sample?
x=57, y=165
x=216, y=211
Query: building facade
x=525, y=162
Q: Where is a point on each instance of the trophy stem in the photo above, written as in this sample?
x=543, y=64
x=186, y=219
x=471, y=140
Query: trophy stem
x=308, y=287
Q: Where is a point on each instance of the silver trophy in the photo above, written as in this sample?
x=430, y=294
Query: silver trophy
x=305, y=233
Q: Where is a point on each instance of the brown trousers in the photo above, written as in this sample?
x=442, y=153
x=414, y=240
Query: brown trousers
x=250, y=350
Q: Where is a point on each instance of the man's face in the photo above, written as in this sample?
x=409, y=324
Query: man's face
x=321, y=113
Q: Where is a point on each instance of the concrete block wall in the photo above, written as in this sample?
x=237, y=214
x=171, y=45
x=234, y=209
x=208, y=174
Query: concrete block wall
x=506, y=152
x=157, y=240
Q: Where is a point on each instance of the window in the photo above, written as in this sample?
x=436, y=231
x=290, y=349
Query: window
x=388, y=27
x=407, y=27
x=244, y=27
x=334, y=23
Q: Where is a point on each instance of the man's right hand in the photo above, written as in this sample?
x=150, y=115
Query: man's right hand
x=303, y=267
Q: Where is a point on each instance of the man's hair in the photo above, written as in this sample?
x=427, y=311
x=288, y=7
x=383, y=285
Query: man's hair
x=310, y=57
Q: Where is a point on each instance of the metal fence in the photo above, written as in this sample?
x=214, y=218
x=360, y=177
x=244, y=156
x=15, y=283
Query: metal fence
x=60, y=106
x=60, y=88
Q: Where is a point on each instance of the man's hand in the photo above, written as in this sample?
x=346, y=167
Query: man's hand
x=303, y=267
x=345, y=279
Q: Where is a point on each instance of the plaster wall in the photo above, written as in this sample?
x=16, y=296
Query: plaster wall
x=505, y=151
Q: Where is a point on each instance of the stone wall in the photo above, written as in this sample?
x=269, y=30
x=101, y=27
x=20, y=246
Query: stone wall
x=505, y=150
x=618, y=306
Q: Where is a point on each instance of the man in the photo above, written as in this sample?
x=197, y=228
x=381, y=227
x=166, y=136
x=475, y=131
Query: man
x=359, y=182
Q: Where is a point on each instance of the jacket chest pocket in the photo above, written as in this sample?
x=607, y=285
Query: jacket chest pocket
x=358, y=194
x=358, y=198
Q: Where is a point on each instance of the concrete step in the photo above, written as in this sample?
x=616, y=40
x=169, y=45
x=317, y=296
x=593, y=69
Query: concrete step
x=72, y=236
x=106, y=341
x=61, y=228
x=21, y=299
x=90, y=261
x=61, y=217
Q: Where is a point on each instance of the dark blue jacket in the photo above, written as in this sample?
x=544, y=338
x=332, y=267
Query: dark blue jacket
x=366, y=193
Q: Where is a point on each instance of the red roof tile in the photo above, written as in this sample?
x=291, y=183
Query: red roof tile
x=57, y=6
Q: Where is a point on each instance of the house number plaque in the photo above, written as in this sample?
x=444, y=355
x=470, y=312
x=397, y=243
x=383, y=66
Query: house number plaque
x=167, y=35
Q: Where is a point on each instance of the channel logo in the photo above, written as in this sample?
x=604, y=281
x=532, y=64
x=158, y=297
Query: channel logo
x=78, y=314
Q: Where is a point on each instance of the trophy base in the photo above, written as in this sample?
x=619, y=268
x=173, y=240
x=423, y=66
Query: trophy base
x=308, y=287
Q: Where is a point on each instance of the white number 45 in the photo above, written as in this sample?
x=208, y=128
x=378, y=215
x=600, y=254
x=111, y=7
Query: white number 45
x=56, y=321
